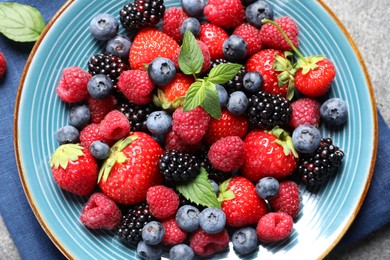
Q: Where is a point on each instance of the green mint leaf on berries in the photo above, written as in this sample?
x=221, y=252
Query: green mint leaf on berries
x=195, y=96
x=190, y=57
x=64, y=154
x=211, y=101
x=200, y=191
x=21, y=23
x=223, y=72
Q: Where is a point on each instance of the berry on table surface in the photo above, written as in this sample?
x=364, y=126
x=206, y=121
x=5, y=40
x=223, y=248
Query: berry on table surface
x=227, y=154
x=234, y=48
x=191, y=24
x=163, y=202
x=161, y=71
x=114, y=125
x=287, y=200
x=136, y=86
x=181, y=251
x=99, y=150
x=252, y=82
x=67, y=135
x=3, y=65
x=238, y=103
x=306, y=138
x=159, y=122
x=72, y=86
x=267, y=188
x=173, y=234
x=244, y=240
x=103, y=26
x=193, y=7
x=153, y=233
x=214, y=37
x=100, y=86
x=172, y=22
x=305, y=111
x=187, y=217
x=257, y=11
x=119, y=46
x=212, y=220
x=251, y=36
x=334, y=111
x=205, y=244
x=222, y=95
x=225, y=13
x=79, y=115
x=149, y=251
x=274, y=226
x=274, y=39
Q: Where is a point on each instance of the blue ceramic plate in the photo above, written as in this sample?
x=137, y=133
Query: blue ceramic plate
x=323, y=217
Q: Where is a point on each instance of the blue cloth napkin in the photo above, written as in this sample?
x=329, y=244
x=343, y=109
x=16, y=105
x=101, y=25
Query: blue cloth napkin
x=29, y=237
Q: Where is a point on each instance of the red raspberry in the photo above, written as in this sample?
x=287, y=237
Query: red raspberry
x=100, y=212
x=205, y=244
x=173, y=234
x=206, y=57
x=227, y=154
x=287, y=200
x=172, y=21
x=214, y=37
x=3, y=65
x=173, y=142
x=90, y=134
x=163, y=202
x=252, y=37
x=225, y=13
x=136, y=86
x=190, y=126
x=115, y=125
x=271, y=36
x=274, y=226
x=100, y=108
x=72, y=86
x=305, y=111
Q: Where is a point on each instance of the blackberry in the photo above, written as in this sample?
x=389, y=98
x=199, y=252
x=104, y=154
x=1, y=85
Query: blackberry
x=215, y=175
x=316, y=168
x=236, y=83
x=107, y=64
x=178, y=167
x=130, y=227
x=141, y=13
x=267, y=110
x=137, y=114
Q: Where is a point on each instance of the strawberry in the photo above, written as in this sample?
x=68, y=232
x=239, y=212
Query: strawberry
x=131, y=169
x=214, y=37
x=3, y=65
x=287, y=200
x=74, y=169
x=172, y=21
x=149, y=44
x=240, y=203
x=273, y=38
x=269, y=154
x=252, y=37
x=225, y=13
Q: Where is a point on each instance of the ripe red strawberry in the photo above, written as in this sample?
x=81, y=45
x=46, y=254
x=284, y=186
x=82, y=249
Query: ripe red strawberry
x=273, y=38
x=100, y=108
x=173, y=234
x=274, y=226
x=74, y=169
x=149, y=44
x=214, y=37
x=131, y=169
x=227, y=154
x=225, y=13
x=205, y=244
x=172, y=21
x=92, y=133
x=173, y=142
x=72, y=86
x=227, y=125
x=206, y=57
x=3, y=65
x=163, y=202
x=100, y=212
x=252, y=37
x=305, y=111
x=115, y=125
x=136, y=86
x=287, y=200
x=268, y=156
x=241, y=204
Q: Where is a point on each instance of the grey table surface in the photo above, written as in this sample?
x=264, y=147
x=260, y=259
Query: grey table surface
x=368, y=23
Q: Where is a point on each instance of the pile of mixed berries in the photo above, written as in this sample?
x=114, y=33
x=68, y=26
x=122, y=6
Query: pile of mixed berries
x=197, y=127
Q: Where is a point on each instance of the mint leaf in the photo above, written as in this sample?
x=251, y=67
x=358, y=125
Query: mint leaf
x=190, y=57
x=195, y=96
x=200, y=191
x=224, y=72
x=21, y=23
x=211, y=101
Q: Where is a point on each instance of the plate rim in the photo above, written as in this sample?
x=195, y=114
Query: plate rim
x=56, y=241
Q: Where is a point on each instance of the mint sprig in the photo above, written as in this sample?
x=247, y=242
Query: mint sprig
x=190, y=57
x=223, y=72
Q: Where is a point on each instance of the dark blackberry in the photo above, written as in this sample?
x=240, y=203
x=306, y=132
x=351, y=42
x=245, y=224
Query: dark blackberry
x=316, y=168
x=215, y=175
x=137, y=114
x=178, y=167
x=130, y=227
x=141, y=13
x=107, y=64
x=267, y=110
x=236, y=83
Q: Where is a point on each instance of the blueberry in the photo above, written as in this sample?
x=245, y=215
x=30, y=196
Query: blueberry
x=68, y=135
x=153, y=233
x=119, y=46
x=193, y=7
x=212, y=220
x=103, y=26
x=191, y=24
x=181, y=252
x=159, y=122
x=306, y=138
x=161, y=71
x=334, y=111
x=79, y=115
x=244, y=240
x=148, y=251
x=99, y=150
x=187, y=217
x=258, y=11
x=215, y=186
x=238, y=103
x=222, y=95
x=252, y=81
x=267, y=188
x=100, y=86
x=234, y=48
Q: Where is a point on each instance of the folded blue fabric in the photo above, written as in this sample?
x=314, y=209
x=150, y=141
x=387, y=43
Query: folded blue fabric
x=29, y=237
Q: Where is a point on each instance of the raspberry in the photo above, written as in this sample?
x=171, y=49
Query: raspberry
x=100, y=212
x=172, y=21
x=274, y=226
x=227, y=154
x=136, y=86
x=3, y=65
x=252, y=37
x=305, y=111
x=271, y=36
x=173, y=142
x=90, y=134
x=100, y=108
x=173, y=234
x=205, y=244
x=73, y=83
x=214, y=37
x=225, y=13
x=163, y=201
x=115, y=125
x=190, y=126
x=287, y=200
